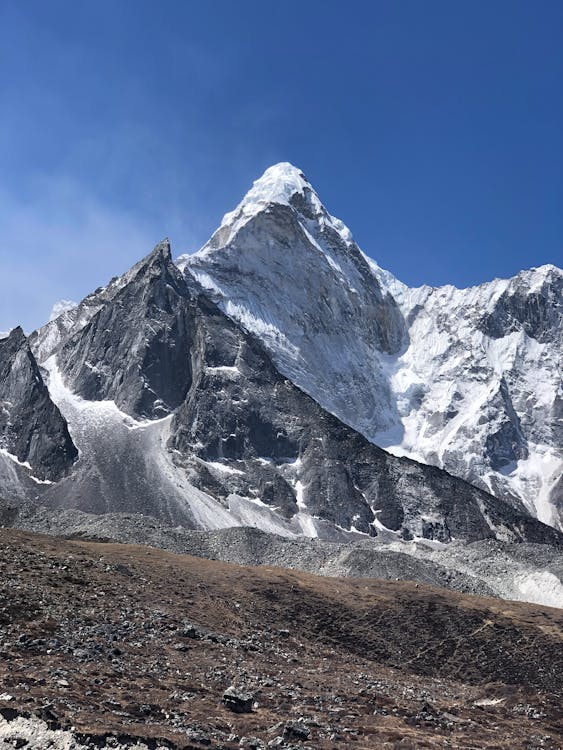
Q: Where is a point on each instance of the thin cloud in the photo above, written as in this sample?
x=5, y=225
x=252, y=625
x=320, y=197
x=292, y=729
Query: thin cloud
x=61, y=242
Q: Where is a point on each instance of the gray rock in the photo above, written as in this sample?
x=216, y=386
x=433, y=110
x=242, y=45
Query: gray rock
x=239, y=431
x=238, y=701
x=31, y=427
x=296, y=730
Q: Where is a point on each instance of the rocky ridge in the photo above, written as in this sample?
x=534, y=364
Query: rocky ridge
x=524, y=572
x=181, y=414
x=35, y=445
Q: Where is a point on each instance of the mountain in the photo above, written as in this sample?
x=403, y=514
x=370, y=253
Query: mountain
x=249, y=385
x=181, y=414
x=467, y=380
x=485, y=364
x=35, y=445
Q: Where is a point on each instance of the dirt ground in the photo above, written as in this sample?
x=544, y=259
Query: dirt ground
x=135, y=642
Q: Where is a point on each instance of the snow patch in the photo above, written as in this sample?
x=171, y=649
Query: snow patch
x=306, y=524
x=539, y=588
x=25, y=465
x=223, y=468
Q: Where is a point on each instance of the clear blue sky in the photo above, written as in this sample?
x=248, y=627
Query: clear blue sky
x=433, y=128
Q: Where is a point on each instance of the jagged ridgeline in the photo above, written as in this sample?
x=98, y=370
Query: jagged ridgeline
x=180, y=412
x=257, y=383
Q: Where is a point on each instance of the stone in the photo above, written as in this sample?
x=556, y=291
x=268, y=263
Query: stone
x=238, y=701
x=296, y=730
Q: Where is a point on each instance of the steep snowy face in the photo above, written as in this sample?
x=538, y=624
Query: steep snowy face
x=291, y=273
x=479, y=386
x=467, y=380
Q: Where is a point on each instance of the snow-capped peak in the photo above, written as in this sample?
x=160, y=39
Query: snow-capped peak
x=281, y=184
x=535, y=278
x=464, y=379
x=278, y=184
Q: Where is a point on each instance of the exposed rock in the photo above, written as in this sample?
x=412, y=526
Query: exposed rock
x=32, y=429
x=238, y=701
x=296, y=730
x=135, y=350
x=243, y=444
x=527, y=572
x=366, y=661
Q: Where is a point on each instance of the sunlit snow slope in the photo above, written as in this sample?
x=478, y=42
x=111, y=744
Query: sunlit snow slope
x=468, y=380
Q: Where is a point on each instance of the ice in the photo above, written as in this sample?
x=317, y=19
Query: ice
x=299, y=490
x=223, y=468
x=257, y=514
x=306, y=524
x=15, y=459
x=225, y=370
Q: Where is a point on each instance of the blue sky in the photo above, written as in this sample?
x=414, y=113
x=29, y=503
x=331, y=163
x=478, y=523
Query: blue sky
x=433, y=129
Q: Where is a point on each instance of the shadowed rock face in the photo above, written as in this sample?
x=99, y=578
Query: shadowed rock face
x=31, y=427
x=135, y=350
x=265, y=439
x=537, y=313
x=507, y=445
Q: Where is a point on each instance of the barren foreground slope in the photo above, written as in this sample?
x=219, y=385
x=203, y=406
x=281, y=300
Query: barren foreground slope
x=133, y=643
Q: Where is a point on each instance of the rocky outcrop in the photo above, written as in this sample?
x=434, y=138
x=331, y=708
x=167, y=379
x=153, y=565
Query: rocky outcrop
x=135, y=349
x=537, y=311
x=32, y=430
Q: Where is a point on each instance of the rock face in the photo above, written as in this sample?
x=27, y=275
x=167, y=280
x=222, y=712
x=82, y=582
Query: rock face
x=291, y=273
x=466, y=380
x=237, y=700
x=135, y=350
x=32, y=429
x=245, y=430
x=181, y=414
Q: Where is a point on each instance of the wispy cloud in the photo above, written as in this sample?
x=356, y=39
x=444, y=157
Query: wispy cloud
x=59, y=241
